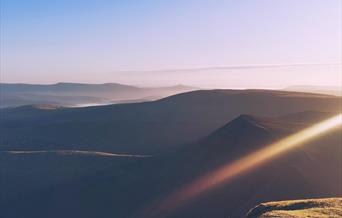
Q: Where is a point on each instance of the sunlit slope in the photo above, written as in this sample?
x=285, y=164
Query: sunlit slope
x=323, y=208
x=151, y=127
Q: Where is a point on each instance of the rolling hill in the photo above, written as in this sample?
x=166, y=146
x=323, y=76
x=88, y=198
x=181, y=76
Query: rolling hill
x=295, y=175
x=81, y=94
x=149, y=127
x=62, y=184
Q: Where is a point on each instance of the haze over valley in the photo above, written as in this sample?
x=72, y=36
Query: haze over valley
x=77, y=150
x=78, y=94
x=170, y=109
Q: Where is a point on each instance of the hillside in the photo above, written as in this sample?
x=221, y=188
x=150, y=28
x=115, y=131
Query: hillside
x=67, y=183
x=85, y=184
x=296, y=174
x=327, y=207
x=149, y=127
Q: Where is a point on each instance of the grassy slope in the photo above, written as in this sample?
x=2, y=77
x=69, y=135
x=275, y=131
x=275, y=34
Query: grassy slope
x=327, y=207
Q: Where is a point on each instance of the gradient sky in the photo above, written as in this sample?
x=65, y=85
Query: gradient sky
x=121, y=41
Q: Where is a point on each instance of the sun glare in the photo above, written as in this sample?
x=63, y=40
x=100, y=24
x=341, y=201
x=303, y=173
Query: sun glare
x=253, y=160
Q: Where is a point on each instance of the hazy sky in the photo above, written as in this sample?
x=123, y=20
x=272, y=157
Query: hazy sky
x=99, y=41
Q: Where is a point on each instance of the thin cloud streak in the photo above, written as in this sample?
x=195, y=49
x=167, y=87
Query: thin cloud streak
x=218, y=68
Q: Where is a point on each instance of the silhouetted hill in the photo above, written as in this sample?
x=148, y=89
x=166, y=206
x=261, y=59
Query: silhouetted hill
x=150, y=127
x=255, y=126
x=81, y=184
x=64, y=87
x=296, y=174
x=66, y=183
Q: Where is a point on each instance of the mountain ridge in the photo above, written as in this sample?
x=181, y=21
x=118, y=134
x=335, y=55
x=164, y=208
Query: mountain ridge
x=78, y=94
x=123, y=187
x=157, y=126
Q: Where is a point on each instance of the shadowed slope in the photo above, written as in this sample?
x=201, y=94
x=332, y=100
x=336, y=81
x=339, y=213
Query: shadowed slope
x=78, y=185
x=147, y=128
x=296, y=174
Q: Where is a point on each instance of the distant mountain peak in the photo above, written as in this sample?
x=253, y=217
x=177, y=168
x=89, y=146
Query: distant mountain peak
x=88, y=84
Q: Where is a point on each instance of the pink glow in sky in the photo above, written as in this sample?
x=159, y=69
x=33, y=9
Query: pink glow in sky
x=134, y=42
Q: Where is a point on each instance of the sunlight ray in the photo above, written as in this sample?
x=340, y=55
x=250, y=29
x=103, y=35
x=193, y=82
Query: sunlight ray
x=253, y=160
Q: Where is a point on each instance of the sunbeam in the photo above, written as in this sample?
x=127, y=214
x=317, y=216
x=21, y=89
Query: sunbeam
x=253, y=160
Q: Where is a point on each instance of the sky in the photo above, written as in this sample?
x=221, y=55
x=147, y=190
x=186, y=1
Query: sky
x=212, y=43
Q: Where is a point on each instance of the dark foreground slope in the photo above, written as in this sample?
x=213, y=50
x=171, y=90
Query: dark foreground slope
x=311, y=171
x=324, y=208
x=150, y=127
x=67, y=184
x=59, y=184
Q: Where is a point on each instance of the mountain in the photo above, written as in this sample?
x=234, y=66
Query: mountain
x=80, y=94
x=326, y=207
x=87, y=184
x=296, y=174
x=328, y=90
x=148, y=127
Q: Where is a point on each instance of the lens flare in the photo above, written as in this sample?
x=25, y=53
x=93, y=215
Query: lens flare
x=233, y=169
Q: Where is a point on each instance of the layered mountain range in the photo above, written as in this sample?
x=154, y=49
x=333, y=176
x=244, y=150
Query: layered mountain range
x=53, y=164
x=148, y=127
x=82, y=94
